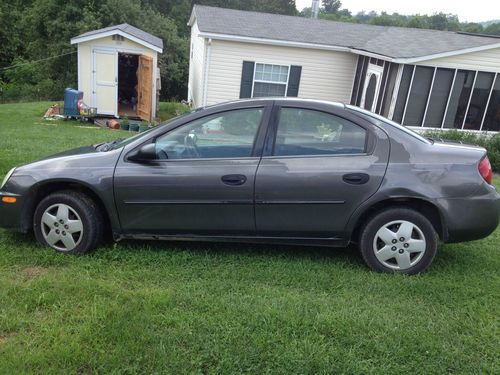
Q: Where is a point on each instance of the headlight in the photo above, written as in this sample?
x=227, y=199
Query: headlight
x=7, y=176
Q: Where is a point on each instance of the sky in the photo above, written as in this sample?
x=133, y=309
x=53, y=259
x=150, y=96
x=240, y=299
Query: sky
x=467, y=11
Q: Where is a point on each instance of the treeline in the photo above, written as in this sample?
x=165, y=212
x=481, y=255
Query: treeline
x=37, y=61
x=332, y=10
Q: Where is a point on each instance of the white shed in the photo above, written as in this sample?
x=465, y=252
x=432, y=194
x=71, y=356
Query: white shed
x=118, y=70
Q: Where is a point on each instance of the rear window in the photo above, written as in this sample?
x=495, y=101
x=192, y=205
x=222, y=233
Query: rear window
x=308, y=132
x=374, y=116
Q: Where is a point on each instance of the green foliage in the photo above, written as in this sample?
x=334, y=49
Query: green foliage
x=491, y=144
x=170, y=109
x=31, y=30
x=492, y=29
x=331, y=6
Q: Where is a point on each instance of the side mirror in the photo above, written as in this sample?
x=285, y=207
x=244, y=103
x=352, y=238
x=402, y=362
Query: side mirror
x=145, y=153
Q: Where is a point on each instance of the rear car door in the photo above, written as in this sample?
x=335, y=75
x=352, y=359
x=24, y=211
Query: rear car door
x=319, y=164
x=202, y=181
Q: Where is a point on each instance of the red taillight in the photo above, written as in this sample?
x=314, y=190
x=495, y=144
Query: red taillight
x=485, y=170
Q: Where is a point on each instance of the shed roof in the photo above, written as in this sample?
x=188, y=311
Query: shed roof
x=389, y=41
x=126, y=30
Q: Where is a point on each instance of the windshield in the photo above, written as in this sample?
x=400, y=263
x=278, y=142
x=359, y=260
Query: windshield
x=389, y=122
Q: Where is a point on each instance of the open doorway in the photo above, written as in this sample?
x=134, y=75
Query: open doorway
x=127, y=84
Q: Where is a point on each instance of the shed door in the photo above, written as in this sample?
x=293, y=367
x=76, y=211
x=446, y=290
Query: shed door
x=105, y=82
x=145, y=87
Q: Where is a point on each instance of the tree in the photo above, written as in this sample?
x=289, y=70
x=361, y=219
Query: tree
x=331, y=6
x=492, y=29
x=442, y=21
x=387, y=20
x=472, y=27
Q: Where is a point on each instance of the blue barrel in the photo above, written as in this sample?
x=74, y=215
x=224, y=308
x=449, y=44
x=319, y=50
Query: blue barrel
x=71, y=97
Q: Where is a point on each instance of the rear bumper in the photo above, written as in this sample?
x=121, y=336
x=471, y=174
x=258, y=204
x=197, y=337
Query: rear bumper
x=11, y=214
x=472, y=218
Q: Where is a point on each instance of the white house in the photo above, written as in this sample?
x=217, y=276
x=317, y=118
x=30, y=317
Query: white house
x=117, y=70
x=417, y=77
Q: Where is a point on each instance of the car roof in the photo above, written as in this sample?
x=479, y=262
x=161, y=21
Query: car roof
x=273, y=99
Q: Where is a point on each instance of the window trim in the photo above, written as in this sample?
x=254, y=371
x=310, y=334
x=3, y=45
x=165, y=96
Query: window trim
x=273, y=132
x=271, y=82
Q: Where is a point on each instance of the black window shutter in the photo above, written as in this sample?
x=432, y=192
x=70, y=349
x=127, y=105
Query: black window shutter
x=246, y=79
x=294, y=81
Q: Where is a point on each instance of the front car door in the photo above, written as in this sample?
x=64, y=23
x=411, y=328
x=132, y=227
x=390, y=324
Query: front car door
x=202, y=182
x=319, y=164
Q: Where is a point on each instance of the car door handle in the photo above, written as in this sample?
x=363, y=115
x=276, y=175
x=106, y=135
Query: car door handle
x=234, y=179
x=356, y=178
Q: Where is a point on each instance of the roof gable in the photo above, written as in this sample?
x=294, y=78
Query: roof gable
x=392, y=42
x=125, y=30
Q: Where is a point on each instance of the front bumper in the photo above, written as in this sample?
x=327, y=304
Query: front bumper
x=11, y=214
x=471, y=218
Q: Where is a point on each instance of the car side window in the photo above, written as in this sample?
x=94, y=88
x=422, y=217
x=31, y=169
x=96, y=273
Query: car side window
x=227, y=135
x=310, y=132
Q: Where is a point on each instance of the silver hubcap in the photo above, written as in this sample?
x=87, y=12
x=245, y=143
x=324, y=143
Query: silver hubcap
x=399, y=245
x=61, y=226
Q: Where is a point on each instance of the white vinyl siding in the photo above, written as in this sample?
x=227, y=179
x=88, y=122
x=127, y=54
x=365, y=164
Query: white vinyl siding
x=487, y=60
x=326, y=75
x=196, y=65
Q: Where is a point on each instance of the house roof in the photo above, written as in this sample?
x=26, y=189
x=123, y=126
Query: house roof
x=127, y=31
x=388, y=41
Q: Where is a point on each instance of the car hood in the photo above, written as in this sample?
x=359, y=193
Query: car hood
x=75, y=151
x=67, y=162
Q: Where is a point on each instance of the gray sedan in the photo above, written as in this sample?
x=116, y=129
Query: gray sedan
x=265, y=170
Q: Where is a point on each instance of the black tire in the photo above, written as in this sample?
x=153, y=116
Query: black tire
x=376, y=222
x=89, y=213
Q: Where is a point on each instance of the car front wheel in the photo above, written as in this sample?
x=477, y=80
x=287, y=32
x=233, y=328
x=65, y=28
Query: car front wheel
x=69, y=222
x=398, y=240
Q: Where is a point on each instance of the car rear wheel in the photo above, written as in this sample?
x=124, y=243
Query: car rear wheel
x=69, y=222
x=398, y=240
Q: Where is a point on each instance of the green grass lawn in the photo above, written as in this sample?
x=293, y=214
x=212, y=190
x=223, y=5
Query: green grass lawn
x=176, y=308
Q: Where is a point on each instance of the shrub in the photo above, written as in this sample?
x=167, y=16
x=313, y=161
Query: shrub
x=167, y=110
x=490, y=143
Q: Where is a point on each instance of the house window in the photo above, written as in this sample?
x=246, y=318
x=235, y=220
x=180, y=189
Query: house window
x=479, y=100
x=439, y=97
x=419, y=94
x=459, y=99
x=492, y=117
x=270, y=80
x=404, y=89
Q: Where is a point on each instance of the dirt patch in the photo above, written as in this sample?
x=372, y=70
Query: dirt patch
x=4, y=337
x=32, y=272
